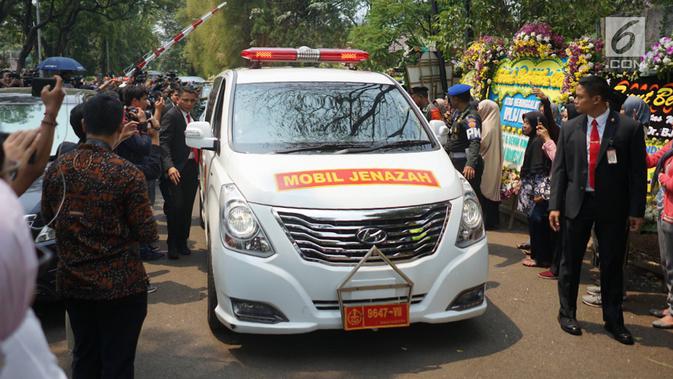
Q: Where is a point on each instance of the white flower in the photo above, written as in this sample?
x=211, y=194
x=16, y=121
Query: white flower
x=553, y=55
x=591, y=65
x=539, y=38
x=526, y=38
x=532, y=34
x=667, y=60
x=489, y=81
x=587, y=56
x=591, y=46
x=547, y=39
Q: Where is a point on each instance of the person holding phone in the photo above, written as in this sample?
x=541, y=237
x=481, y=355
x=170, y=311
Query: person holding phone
x=29, y=171
x=24, y=351
x=535, y=191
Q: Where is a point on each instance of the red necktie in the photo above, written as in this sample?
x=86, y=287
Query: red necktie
x=195, y=151
x=594, y=149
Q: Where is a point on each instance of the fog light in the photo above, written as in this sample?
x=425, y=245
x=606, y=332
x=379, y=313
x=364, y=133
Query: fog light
x=253, y=311
x=469, y=298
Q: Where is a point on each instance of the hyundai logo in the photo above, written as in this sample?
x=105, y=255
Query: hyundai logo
x=371, y=236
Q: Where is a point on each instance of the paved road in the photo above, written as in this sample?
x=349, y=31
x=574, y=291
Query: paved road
x=517, y=337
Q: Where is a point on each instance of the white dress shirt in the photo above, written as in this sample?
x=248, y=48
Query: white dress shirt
x=187, y=121
x=601, y=120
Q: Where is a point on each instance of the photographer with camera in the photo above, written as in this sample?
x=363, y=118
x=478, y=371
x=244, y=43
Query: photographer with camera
x=142, y=149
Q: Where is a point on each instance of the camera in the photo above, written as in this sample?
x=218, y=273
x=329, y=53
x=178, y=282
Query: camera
x=132, y=115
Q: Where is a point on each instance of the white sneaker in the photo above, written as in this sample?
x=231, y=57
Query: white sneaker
x=594, y=290
x=592, y=300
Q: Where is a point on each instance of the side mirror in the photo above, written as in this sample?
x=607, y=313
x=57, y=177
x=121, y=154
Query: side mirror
x=199, y=135
x=440, y=130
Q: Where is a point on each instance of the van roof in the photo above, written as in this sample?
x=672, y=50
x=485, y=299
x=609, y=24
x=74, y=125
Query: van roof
x=295, y=74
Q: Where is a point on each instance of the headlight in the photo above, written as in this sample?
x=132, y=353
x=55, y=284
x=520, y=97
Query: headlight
x=471, y=228
x=240, y=230
x=241, y=222
x=46, y=234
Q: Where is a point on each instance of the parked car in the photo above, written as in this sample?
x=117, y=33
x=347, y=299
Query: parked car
x=21, y=111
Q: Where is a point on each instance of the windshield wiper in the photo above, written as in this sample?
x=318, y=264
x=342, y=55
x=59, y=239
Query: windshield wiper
x=393, y=145
x=321, y=147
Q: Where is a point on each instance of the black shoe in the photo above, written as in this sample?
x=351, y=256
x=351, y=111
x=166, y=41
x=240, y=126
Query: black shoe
x=172, y=252
x=151, y=255
x=184, y=250
x=570, y=325
x=620, y=333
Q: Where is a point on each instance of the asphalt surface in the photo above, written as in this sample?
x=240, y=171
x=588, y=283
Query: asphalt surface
x=518, y=337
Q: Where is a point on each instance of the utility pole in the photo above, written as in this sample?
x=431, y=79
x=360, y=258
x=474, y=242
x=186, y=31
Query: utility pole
x=440, y=56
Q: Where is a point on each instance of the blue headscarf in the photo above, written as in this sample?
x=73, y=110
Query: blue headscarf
x=635, y=105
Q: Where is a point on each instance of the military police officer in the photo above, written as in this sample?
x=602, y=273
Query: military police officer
x=465, y=137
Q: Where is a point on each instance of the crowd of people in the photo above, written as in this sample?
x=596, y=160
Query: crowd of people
x=583, y=173
x=584, y=169
x=97, y=196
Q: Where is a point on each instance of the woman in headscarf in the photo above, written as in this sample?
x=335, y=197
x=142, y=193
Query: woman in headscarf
x=24, y=352
x=638, y=109
x=491, y=152
x=568, y=112
x=535, y=191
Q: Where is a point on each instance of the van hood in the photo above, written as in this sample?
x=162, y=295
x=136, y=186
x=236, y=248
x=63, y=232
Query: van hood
x=354, y=181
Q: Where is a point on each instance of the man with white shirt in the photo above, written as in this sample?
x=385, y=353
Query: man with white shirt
x=180, y=166
x=598, y=179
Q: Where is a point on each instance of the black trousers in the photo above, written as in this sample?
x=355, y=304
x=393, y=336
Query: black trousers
x=612, y=235
x=178, y=204
x=459, y=164
x=106, y=335
x=491, y=210
x=557, y=242
x=541, y=246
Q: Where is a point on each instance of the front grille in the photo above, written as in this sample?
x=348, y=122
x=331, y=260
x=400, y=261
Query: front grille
x=329, y=236
x=332, y=305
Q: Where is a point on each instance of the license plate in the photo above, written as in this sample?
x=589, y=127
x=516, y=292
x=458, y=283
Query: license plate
x=375, y=316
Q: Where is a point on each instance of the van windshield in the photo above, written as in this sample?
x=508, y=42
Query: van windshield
x=325, y=118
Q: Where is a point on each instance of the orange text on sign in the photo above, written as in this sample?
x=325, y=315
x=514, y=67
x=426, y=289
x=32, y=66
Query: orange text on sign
x=327, y=178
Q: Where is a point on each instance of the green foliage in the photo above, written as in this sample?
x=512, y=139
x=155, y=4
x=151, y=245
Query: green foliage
x=569, y=18
x=389, y=23
x=241, y=24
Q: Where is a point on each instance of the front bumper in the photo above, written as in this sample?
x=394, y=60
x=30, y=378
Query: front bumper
x=305, y=292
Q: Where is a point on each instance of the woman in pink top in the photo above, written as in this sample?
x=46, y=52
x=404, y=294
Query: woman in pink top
x=663, y=175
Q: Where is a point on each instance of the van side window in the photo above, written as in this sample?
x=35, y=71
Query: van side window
x=211, y=98
x=217, y=114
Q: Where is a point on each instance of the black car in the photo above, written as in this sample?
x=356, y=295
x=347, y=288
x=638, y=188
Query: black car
x=21, y=111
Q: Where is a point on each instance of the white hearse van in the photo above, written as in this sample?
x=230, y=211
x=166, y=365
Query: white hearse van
x=329, y=203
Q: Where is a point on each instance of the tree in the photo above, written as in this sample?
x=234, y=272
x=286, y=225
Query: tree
x=242, y=24
x=390, y=22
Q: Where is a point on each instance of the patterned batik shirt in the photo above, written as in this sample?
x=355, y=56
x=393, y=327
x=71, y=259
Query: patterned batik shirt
x=106, y=214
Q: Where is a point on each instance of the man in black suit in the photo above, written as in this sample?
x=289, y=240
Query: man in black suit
x=180, y=178
x=598, y=178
